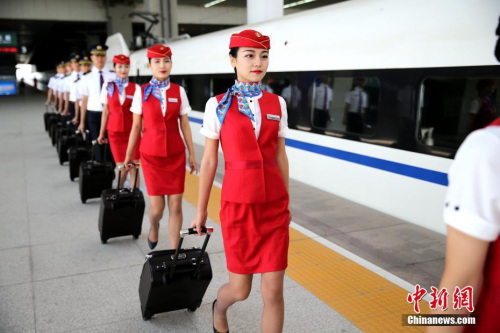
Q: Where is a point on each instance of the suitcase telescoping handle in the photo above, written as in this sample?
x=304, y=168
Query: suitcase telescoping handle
x=191, y=231
x=120, y=168
x=94, y=142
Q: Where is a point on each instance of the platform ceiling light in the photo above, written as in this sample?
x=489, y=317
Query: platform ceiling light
x=297, y=3
x=213, y=3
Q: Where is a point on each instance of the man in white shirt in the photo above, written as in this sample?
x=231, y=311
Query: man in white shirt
x=91, y=87
x=86, y=67
x=293, y=98
x=66, y=86
x=51, y=85
x=71, y=91
x=356, y=102
x=323, y=96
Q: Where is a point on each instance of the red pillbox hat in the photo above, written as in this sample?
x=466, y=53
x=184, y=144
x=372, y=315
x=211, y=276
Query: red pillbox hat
x=159, y=51
x=250, y=38
x=121, y=59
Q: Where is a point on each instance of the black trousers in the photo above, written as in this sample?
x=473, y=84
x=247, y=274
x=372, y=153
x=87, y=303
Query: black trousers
x=93, y=120
x=321, y=118
x=71, y=109
x=354, y=122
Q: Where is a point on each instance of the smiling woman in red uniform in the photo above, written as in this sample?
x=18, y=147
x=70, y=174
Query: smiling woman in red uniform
x=251, y=125
x=116, y=97
x=158, y=107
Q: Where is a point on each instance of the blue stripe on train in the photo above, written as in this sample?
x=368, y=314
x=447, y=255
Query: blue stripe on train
x=427, y=175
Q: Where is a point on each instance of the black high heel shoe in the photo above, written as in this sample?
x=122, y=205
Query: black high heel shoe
x=152, y=244
x=213, y=324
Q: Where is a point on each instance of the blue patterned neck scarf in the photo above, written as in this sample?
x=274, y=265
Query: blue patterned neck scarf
x=154, y=87
x=120, y=83
x=240, y=90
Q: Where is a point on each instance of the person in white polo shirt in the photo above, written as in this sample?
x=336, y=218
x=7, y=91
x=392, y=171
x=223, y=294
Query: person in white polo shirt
x=472, y=215
x=91, y=87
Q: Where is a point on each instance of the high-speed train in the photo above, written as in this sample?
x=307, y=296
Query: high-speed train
x=424, y=64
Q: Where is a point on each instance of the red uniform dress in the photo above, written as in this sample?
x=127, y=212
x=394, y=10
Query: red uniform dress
x=254, y=213
x=163, y=153
x=120, y=123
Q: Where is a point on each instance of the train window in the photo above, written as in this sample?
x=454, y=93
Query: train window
x=344, y=104
x=197, y=90
x=450, y=108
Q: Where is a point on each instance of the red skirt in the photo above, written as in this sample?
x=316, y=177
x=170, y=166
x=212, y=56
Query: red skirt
x=164, y=175
x=118, y=142
x=256, y=236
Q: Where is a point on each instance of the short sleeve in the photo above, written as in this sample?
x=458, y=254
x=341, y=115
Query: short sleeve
x=211, y=125
x=347, y=98
x=474, y=107
x=104, y=93
x=472, y=203
x=84, y=89
x=137, y=101
x=185, y=107
x=284, y=119
x=365, y=100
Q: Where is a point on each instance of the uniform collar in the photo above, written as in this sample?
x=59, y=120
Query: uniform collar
x=95, y=70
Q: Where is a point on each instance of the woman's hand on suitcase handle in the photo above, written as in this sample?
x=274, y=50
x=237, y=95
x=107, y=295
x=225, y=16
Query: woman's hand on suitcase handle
x=199, y=221
x=102, y=140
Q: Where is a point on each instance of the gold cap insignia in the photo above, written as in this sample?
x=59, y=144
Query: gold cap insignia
x=257, y=34
x=162, y=48
x=99, y=47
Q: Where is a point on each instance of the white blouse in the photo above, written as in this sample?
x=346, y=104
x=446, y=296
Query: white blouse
x=122, y=96
x=137, y=101
x=211, y=125
x=473, y=198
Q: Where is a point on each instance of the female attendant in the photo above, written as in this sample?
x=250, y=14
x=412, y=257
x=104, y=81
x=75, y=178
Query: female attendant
x=251, y=125
x=470, y=284
x=158, y=106
x=116, y=97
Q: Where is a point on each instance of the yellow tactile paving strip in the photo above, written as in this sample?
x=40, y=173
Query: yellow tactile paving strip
x=367, y=300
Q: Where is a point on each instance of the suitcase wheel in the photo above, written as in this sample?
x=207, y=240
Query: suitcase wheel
x=104, y=240
x=147, y=315
x=72, y=178
x=84, y=200
x=192, y=309
x=135, y=236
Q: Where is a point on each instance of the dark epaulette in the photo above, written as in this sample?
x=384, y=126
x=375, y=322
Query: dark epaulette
x=111, y=71
x=86, y=73
x=66, y=75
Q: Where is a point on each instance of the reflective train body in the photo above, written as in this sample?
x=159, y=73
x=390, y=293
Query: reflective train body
x=421, y=62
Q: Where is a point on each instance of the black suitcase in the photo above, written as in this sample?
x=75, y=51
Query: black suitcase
x=53, y=121
x=94, y=177
x=65, y=141
x=121, y=212
x=80, y=152
x=46, y=117
x=175, y=279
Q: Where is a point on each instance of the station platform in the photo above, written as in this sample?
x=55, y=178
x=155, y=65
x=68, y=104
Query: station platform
x=350, y=267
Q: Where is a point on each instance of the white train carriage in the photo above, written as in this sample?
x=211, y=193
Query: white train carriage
x=424, y=63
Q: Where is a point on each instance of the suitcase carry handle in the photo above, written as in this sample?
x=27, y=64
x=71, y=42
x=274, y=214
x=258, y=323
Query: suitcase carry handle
x=120, y=168
x=191, y=231
x=94, y=142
